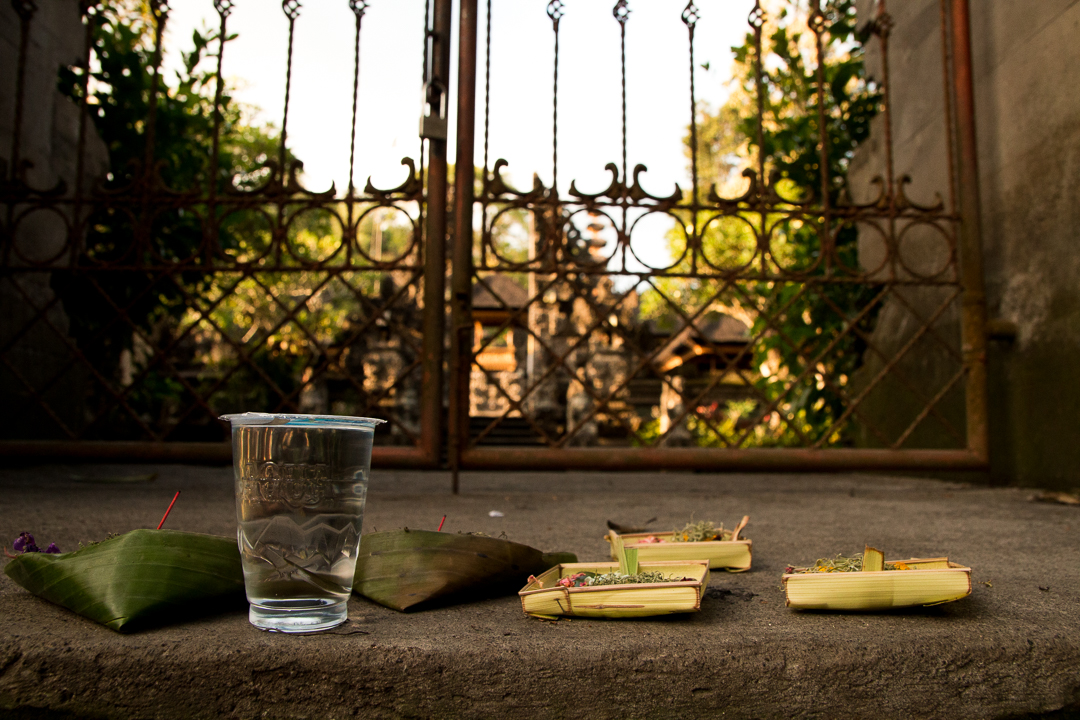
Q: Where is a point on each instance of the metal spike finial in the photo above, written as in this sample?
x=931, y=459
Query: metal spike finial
x=159, y=8
x=621, y=11
x=291, y=8
x=884, y=24
x=690, y=14
x=756, y=18
x=555, y=11
x=223, y=7
x=359, y=7
x=816, y=21
x=883, y=21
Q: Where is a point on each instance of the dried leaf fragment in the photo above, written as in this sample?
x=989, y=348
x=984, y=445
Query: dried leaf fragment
x=1060, y=498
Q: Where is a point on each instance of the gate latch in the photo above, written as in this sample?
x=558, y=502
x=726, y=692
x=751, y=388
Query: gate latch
x=433, y=111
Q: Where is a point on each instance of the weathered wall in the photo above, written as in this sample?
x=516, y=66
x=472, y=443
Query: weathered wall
x=36, y=355
x=1026, y=59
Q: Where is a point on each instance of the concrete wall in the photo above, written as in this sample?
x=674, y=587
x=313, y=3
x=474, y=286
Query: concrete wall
x=1026, y=58
x=34, y=346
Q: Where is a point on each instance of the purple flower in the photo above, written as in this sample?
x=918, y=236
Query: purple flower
x=25, y=543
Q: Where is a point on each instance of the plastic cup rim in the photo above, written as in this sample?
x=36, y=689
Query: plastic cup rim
x=258, y=419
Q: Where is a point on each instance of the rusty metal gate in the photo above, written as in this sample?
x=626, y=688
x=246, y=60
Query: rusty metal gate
x=146, y=293
x=143, y=299
x=600, y=385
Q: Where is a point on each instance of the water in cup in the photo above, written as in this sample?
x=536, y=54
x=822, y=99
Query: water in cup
x=301, y=484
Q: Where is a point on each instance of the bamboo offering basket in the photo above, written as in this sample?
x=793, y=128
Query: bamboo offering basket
x=544, y=597
x=731, y=555
x=930, y=581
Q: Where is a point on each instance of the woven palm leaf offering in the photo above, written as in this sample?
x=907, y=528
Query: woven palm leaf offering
x=402, y=569
x=700, y=540
x=869, y=582
x=136, y=580
x=625, y=589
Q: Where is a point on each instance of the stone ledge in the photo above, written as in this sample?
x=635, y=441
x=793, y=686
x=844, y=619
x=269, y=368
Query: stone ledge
x=1012, y=648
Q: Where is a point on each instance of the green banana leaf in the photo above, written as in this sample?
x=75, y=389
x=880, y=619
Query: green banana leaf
x=141, y=578
x=403, y=568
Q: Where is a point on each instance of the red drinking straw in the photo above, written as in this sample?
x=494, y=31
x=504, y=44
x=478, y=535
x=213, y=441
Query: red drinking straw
x=168, y=510
x=440, y=523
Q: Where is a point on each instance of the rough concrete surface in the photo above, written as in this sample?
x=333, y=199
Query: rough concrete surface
x=1010, y=650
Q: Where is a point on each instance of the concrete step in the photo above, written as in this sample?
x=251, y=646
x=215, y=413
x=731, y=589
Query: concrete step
x=1009, y=650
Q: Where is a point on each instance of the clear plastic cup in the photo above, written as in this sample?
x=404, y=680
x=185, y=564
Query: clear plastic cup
x=301, y=485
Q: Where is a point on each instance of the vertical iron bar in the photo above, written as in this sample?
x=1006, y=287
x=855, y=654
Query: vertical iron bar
x=213, y=238
x=555, y=12
x=160, y=12
x=487, y=138
x=883, y=26
x=291, y=8
x=487, y=88
x=690, y=17
x=817, y=26
x=358, y=8
x=952, y=141
x=973, y=324
x=621, y=12
x=464, y=177
x=423, y=83
x=25, y=11
x=434, y=319
x=75, y=238
x=757, y=20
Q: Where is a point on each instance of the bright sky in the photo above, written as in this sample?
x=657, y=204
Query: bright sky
x=521, y=82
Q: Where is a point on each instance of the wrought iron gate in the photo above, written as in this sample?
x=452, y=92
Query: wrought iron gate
x=601, y=385
x=144, y=299
x=142, y=303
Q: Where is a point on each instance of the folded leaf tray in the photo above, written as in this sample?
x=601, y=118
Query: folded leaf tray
x=930, y=581
x=405, y=568
x=138, y=579
x=544, y=597
x=731, y=555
